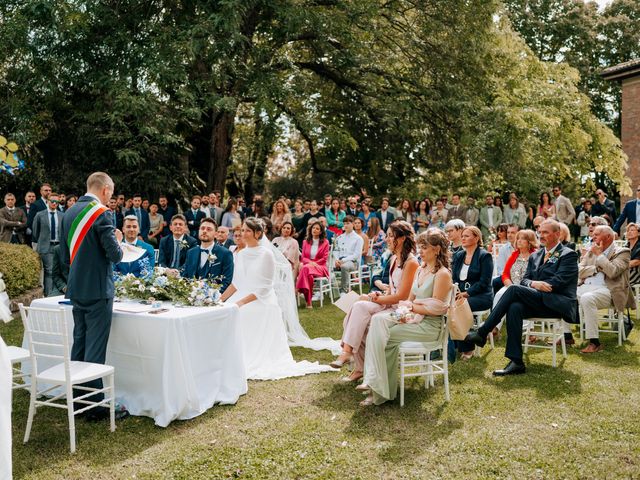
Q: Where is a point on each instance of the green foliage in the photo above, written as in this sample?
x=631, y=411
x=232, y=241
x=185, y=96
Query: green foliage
x=20, y=267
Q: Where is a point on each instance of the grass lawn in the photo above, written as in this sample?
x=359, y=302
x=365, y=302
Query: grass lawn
x=581, y=420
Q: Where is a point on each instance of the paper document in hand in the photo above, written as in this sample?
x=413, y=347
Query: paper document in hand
x=345, y=302
x=131, y=253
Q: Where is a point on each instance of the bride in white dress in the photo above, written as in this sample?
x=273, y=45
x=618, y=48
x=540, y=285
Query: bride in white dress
x=5, y=400
x=261, y=329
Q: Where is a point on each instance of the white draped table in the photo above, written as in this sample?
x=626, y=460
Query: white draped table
x=176, y=364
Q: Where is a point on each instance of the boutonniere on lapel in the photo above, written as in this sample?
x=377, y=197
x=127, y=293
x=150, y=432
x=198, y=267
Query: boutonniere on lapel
x=184, y=244
x=212, y=258
x=554, y=258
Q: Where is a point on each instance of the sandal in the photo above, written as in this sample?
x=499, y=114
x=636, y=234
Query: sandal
x=467, y=355
x=367, y=402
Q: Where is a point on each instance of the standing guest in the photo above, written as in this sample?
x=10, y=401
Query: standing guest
x=38, y=206
x=366, y=213
x=385, y=217
x=116, y=217
x=209, y=260
x=472, y=214
x=584, y=217
x=280, y=214
x=352, y=208
x=297, y=219
x=453, y=230
x=347, y=252
x=490, y=218
x=405, y=211
x=90, y=287
x=456, y=210
x=564, y=209
x=194, y=216
x=634, y=246
x=497, y=201
x=145, y=204
x=13, y=221
x=401, y=274
x=330, y=235
x=288, y=246
x=128, y=205
x=156, y=225
x=422, y=218
x=357, y=227
x=377, y=235
x=231, y=217
x=472, y=269
x=46, y=235
x=526, y=243
x=242, y=208
x=514, y=213
x=121, y=202
x=223, y=238
x=204, y=206
x=173, y=248
x=71, y=201
x=144, y=265
x=604, y=207
x=546, y=209
x=29, y=199
x=630, y=213
x=267, y=228
x=167, y=212
x=335, y=217
x=315, y=253
x=531, y=214
x=215, y=207
x=62, y=202
x=343, y=205
x=141, y=214
x=314, y=213
x=59, y=273
x=259, y=210
x=439, y=215
x=238, y=242
x=547, y=290
x=433, y=283
x=327, y=203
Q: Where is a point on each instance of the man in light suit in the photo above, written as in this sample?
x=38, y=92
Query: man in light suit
x=142, y=216
x=90, y=287
x=138, y=267
x=548, y=290
x=630, y=213
x=209, y=260
x=173, y=248
x=490, y=218
x=604, y=278
x=46, y=235
x=564, y=209
x=472, y=214
x=13, y=221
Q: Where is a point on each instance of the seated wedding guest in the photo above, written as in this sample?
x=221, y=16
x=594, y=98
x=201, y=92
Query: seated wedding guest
x=500, y=240
x=357, y=227
x=634, y=246
x=514, y=212
x=405, y=211
x=439, y=215
x=238, y=242
x=141, y=214
x=315, y=252
x=595, y=222
x=173, y=248
x=297, y=219
x=268, y=228
x=280, y=214
x=288, y=246
x=515, y=267
x=504, y=253
x=380, y=281
x=584, y=217
x=156, y=225
x=429, y=300
x=60, y=273
x=335, y=217
x=314, y=213
x=422, y=218
x=209, y=260
x=144, y=265
x=547, y=290
x=472, y=268
x=375, y=233
x=385, y=215
x=603, y=275
x=565, y=237
x=167, y=212
x=453, y=231
x=401, y=274
x=259, y=210
x=222, y=237
x=194, y=216
x=116, y=216
x=347, y=253
x=352, y=207
x=366, y=213
x=330, y=235
x=231, y=218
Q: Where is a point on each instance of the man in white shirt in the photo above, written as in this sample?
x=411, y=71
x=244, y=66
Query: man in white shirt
x=348, y=252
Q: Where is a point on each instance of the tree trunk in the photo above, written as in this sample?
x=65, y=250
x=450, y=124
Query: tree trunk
x=220, y=152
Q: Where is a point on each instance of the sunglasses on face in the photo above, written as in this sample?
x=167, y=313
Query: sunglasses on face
x=54, y=201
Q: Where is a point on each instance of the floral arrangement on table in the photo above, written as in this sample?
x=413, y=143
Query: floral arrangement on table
x=163, y=284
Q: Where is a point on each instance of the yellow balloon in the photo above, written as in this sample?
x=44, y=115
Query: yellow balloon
x=12, y=147
x=12, y=161
x=3, y=155
x=3, y=141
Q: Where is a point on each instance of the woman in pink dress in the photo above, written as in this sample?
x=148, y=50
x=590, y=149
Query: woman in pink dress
x=315, y=252
x=400, y=241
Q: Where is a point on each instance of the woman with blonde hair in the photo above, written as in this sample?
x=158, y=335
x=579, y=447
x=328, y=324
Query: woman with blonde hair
x=279, y=215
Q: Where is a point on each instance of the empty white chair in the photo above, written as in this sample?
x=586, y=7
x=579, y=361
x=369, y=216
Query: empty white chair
x=18, y=356
x=545, y=328
x=322, y=285
x=47, y=335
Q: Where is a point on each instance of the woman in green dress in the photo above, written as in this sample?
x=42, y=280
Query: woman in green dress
x=428, y=302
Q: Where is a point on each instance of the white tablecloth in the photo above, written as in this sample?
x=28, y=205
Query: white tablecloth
x=174, y=365
x=5, y=413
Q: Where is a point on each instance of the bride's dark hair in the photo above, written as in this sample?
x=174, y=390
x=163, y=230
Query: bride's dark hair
x=254, y=224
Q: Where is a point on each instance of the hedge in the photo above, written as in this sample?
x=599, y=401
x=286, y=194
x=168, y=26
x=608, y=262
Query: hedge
x=20, y=267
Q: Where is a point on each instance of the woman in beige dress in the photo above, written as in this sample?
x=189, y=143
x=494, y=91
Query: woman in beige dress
x=289, y=247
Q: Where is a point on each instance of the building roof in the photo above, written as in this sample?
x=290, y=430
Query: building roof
x=622, y=70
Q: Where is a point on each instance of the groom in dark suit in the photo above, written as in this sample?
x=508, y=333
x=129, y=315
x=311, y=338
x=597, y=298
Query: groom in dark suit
x=209, y=260
x=548, y=290
x=90, y=244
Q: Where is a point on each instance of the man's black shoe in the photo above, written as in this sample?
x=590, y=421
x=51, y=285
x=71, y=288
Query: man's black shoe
x=476, y=339
x=628, y=326
x=511, y=369
x=101, y=413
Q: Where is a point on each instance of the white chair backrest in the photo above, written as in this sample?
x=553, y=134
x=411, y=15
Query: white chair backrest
x=47, y=333
x=156, y=254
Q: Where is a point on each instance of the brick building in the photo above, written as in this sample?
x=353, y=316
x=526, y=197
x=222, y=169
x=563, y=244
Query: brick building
x=628, y=73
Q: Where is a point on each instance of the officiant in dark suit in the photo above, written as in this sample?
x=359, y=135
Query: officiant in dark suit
x=90, y=245
x=209, y=260
x=548, y=290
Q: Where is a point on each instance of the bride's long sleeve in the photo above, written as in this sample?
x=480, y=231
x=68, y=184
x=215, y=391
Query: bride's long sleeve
x=263, y=276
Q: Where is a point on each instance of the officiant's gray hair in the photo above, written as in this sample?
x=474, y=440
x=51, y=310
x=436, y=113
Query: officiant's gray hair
x=97, y=180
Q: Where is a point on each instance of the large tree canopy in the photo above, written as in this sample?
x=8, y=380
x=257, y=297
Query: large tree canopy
x=395, y=96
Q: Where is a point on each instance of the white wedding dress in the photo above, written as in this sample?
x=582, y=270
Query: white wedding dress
x=5, y=402
x=261, y=329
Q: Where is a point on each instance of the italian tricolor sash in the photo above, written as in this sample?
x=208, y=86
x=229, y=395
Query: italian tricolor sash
x=82, y=224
